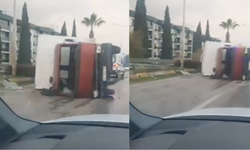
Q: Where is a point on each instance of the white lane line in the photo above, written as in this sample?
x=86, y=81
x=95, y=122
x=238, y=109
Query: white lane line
x=210, y=100
x=207, y=102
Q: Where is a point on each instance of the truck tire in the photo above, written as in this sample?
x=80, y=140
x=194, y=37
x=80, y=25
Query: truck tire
x=110, y=91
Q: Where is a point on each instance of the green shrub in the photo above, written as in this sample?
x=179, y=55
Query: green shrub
x=188, y=64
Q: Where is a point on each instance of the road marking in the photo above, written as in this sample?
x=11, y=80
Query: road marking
x=208, y=101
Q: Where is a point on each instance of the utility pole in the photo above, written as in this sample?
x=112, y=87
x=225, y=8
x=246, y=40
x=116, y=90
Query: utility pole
x=13, y=44
x=122, y=28
x=183, y=36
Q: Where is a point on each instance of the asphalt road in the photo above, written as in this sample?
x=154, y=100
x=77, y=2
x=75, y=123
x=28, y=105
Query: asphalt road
x=30, y=104
x=180, y=94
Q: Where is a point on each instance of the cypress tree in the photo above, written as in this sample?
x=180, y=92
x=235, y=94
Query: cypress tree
x=74, y=29
x=64, y=29
x=167, y=38
x=140, y=24
x=24, y=56
x=197, y=38
x=207, y=36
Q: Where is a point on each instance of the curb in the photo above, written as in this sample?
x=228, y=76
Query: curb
x=157, y=73
x=20, y=80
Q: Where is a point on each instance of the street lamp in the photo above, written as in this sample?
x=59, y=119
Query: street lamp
x=183, y=36
x=122, y=26
x=13, y=44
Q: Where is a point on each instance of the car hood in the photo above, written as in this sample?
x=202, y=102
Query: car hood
x=237, y=112
x=94, y=118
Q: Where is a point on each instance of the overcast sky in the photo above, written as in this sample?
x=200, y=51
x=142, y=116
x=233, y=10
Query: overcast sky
x=201, y=10
x=55, y=12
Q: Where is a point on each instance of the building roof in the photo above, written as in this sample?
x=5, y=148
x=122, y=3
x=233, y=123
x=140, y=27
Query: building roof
x=40, y=29
x=158, y=21
x=3, y=16
x=161, y=22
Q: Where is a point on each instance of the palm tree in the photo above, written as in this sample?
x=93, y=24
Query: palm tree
x=92, y=21
x=229, y=24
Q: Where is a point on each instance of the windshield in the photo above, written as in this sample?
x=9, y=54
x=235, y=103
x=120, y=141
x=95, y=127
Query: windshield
x=42, y=75
x=191, y=61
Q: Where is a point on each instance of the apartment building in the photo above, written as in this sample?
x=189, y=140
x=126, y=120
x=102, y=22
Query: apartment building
x=6, y=26
x=155, y=32
x=6, y=32
x=35, y=31
x=33, y=39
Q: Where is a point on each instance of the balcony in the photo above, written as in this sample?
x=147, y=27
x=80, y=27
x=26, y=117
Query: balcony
x=187, y=50
x=150, y=28
x=160, y=30
x=177, y=41
x=5, y=49
x=5, y=39
x=177, y=49
x=5, y=27
x=176, y=34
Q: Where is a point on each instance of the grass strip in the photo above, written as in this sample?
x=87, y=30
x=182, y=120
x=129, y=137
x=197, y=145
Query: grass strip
x=160, y=77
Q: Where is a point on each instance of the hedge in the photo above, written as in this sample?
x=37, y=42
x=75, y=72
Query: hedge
x=189, y=64
x=23, y=70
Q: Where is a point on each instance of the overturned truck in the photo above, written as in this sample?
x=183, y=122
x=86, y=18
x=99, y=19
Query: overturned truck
x=225, y=60
x=76, y=69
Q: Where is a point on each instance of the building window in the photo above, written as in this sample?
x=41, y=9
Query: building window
x=189, y=42
x=4, y=36
x=5, y=58
x=132, y=22
x=156, y=27
x=3, y=46
x=149, y=24
x=4, y=22
x=177, y=40
x=159, y=29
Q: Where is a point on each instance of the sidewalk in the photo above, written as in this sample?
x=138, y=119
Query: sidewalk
x=15, y=83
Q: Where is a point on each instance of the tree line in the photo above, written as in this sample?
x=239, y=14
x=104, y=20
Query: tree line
x=139, y=42
x=91, y=22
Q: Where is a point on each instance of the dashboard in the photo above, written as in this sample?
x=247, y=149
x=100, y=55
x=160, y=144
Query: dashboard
x=194, y=134
x=62, y=136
